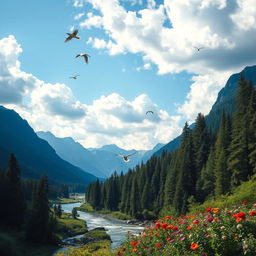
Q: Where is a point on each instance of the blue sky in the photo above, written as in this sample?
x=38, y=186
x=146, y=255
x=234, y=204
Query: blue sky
x=142, y=57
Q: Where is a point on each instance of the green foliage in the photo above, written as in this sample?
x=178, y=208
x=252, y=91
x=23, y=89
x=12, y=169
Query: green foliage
x=245, y=192
x=67, y=226
x=74, y=213
x=215, y=232
x=99, y=248
x=85, y=208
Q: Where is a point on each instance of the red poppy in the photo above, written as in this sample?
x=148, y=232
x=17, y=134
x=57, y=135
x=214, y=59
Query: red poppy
x=194, y=246
x=158, y=245
x=134, y=243
x=252, y=213
x=208, y=209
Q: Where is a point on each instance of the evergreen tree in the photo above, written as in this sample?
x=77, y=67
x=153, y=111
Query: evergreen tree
x=38, y=227
x=222, y=174
x=238, y=161
x=186, y=179
x=15, y=205
x=134, y=199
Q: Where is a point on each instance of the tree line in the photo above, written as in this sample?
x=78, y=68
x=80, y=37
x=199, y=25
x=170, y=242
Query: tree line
x=25, y=205
x=205, y=165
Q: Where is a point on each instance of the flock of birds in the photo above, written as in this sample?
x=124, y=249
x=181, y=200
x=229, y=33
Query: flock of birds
x=86, y=58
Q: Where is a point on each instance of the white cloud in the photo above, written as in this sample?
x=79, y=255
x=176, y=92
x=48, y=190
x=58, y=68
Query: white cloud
x=53, y=107
x=79, y=3
x=166, y=35
x=202, y=95
x=79, y=16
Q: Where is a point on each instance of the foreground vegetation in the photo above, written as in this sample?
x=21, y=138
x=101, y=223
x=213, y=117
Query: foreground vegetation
x=214, y=232
x=94, y=242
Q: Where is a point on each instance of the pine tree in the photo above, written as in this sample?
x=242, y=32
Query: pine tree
x=238, y=161
x=38, y=227
x=134, y=199
x=186, y=179
x=15, y=205
x=222, y=174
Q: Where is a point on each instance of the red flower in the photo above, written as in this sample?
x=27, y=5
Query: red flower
x=194, y=246
x=134, y=243
x=252, y=213
x=164, y=225
x=167, y=217
x=158, y=245
x=245, y=202
x=208, y=209
x=196, y=221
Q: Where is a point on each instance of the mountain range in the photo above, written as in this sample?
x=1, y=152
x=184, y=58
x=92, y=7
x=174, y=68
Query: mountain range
x=67, y=161
x=35, y=156
x=101, y=162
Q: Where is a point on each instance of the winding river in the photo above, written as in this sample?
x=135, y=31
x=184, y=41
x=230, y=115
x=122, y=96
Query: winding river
x=116, y=229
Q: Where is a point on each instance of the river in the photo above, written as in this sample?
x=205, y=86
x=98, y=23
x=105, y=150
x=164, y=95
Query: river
x=116, y=229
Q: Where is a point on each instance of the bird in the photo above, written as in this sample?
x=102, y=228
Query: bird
x=74, y=77
x=149, y=111
x=198, y=48
x=72, y=35
x=125, y=157
x=85, y=55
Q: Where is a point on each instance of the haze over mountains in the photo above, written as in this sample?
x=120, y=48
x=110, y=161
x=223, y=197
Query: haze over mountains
x=101, y=162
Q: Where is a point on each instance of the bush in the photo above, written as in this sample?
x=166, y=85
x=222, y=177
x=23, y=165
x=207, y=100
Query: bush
x=7, y=245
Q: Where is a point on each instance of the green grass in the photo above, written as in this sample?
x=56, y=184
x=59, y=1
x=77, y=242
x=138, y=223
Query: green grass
x=99, y=248
x=98, y=235
x=85, y=208
x=68, y=226
x=66, y=200
x=118, y=215
x=246, y=191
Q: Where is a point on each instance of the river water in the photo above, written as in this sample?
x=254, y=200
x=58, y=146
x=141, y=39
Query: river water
x=116, y=229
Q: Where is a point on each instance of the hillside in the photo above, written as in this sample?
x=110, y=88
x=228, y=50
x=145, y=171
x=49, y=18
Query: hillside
x=35, y=156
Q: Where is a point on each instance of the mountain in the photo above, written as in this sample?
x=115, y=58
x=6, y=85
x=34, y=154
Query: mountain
x=35, y=156
x=101, y=162
x=72, y=152
x=225, y=102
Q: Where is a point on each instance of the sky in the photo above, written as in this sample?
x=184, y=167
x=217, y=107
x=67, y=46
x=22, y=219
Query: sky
x=142, y=57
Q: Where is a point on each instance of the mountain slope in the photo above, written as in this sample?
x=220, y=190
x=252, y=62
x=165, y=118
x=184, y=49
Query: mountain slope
x=73, y=152
x=35, y=156
x=101, y=162
x=225, y=102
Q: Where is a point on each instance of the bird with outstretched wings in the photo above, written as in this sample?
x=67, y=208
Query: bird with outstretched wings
x=74, y=77
x=149, y=111
x=85, y=55
x=126, y=157
x=198, y=48
x=72, y=35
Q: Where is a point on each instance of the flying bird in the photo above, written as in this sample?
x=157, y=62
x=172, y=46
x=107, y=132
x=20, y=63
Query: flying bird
x=72, y=35
x=198, y=48
x=149, y=111
x=125, y=158
x=85, y=55
x=74, y=77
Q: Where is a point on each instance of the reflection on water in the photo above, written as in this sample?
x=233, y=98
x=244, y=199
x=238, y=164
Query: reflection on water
x=116, y=229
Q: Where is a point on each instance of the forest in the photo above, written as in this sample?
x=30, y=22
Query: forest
x=206, y=165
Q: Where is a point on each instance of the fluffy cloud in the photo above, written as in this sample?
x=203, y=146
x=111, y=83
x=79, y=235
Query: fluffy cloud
x=53, y=107
x=166, y=35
